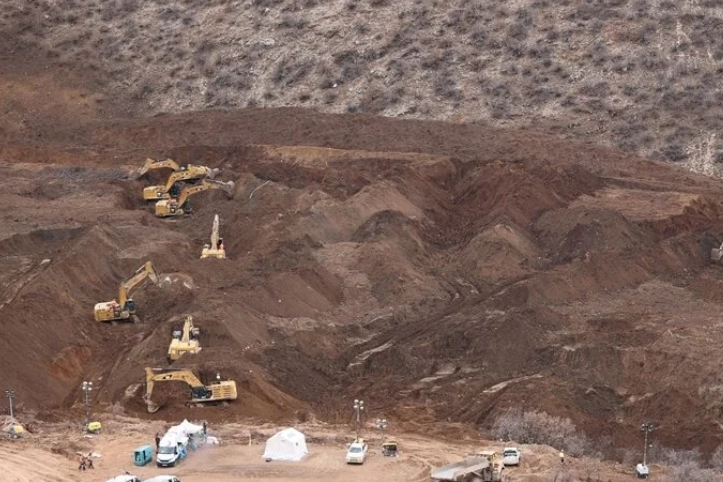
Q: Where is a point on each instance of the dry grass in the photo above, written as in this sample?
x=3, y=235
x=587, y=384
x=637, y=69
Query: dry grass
x=640, y=75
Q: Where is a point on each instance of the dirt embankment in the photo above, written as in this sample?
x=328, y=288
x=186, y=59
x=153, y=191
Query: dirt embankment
x=440, y=272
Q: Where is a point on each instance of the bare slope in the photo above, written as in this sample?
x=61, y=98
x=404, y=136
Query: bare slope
x=441, y=272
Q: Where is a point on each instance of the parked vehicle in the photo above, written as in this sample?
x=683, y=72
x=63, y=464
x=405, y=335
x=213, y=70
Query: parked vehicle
x=642, y=471
x=124, y=478
x=480, y=467
x=357, y=453
x=390, y=449
x=511, y=456
x=163, y=478
x=169, y=454
x=142, y=455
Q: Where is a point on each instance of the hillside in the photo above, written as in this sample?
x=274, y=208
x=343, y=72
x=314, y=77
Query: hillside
x=634, y=74
x=441, y=272
x=446, y=272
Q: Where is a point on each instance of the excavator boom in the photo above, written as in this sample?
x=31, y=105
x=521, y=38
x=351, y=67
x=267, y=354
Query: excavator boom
x=153, y=164
x=216, y=248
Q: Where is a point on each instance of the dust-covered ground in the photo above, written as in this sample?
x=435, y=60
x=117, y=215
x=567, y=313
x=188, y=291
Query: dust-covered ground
x=50, y=455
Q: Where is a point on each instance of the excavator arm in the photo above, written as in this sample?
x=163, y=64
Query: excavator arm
x=214, y=233
x=191, y=172
x=153, y=164
x=205, y=185
x=175, y=206
x=145, y=271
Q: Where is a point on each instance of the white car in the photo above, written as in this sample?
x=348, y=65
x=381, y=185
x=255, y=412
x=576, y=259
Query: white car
x=357, y=452
x=511, y=456
x=124, y=478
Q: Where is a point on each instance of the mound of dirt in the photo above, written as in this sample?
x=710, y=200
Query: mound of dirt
x=441, y=272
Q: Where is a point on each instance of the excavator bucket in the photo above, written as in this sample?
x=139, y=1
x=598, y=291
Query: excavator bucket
x=227, y=187
x=153, y=407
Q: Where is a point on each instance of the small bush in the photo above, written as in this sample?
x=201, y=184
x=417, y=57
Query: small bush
x=540, y=428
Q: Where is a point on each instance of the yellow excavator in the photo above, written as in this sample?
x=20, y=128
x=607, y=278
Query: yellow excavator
x=214, y=249
x=179, y=206
x=172, y=187
x=184, y=341
x=125, y=307
x=217, y=391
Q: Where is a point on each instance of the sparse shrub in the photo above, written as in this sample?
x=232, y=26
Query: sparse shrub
x=716, y=458
x=675, y=153
x=291, y=71
x=689, y=471
x=540, y=428
x=293, y=21
x=561, y=474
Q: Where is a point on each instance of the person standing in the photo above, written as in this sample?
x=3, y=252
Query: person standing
x=81, y=462
x=562, y=457
x=89, y=461
x=158, y=441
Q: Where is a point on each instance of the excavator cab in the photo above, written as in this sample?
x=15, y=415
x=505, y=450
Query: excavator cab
x=184, y=341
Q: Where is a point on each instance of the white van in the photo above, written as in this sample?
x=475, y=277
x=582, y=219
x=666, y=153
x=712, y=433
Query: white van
x=163, y=478
x=170, y=455
x=124, y=478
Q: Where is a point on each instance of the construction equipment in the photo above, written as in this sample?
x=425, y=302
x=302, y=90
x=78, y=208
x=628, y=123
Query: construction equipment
x=184, y=341
x=479, y=467
x=390, y=449
x=153, y=164
x=171, y=188
x=716, y=253
x=15, y=430
x=125, y=307
x=179, y=206
x=217, y=391
x=215, y=249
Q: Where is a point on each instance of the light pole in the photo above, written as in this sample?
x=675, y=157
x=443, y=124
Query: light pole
x=381, y=425
x=358, y=408
x=646, y=428
x=11, y=394
x=87, y=388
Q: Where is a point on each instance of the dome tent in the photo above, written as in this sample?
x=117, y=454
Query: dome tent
x=288, y=444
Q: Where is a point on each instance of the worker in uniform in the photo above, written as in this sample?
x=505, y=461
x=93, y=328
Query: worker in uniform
x=562, y=457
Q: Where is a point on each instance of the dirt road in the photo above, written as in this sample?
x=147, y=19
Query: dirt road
x=33, y=460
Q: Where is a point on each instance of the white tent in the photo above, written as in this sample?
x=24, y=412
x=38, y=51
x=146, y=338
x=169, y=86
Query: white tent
x=288, y=444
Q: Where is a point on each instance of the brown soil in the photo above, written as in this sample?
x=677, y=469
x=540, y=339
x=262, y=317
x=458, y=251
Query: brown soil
x=418, y=265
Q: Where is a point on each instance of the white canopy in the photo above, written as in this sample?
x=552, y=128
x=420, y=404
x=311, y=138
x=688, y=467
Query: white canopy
x=288, y=444
x=179, y=433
